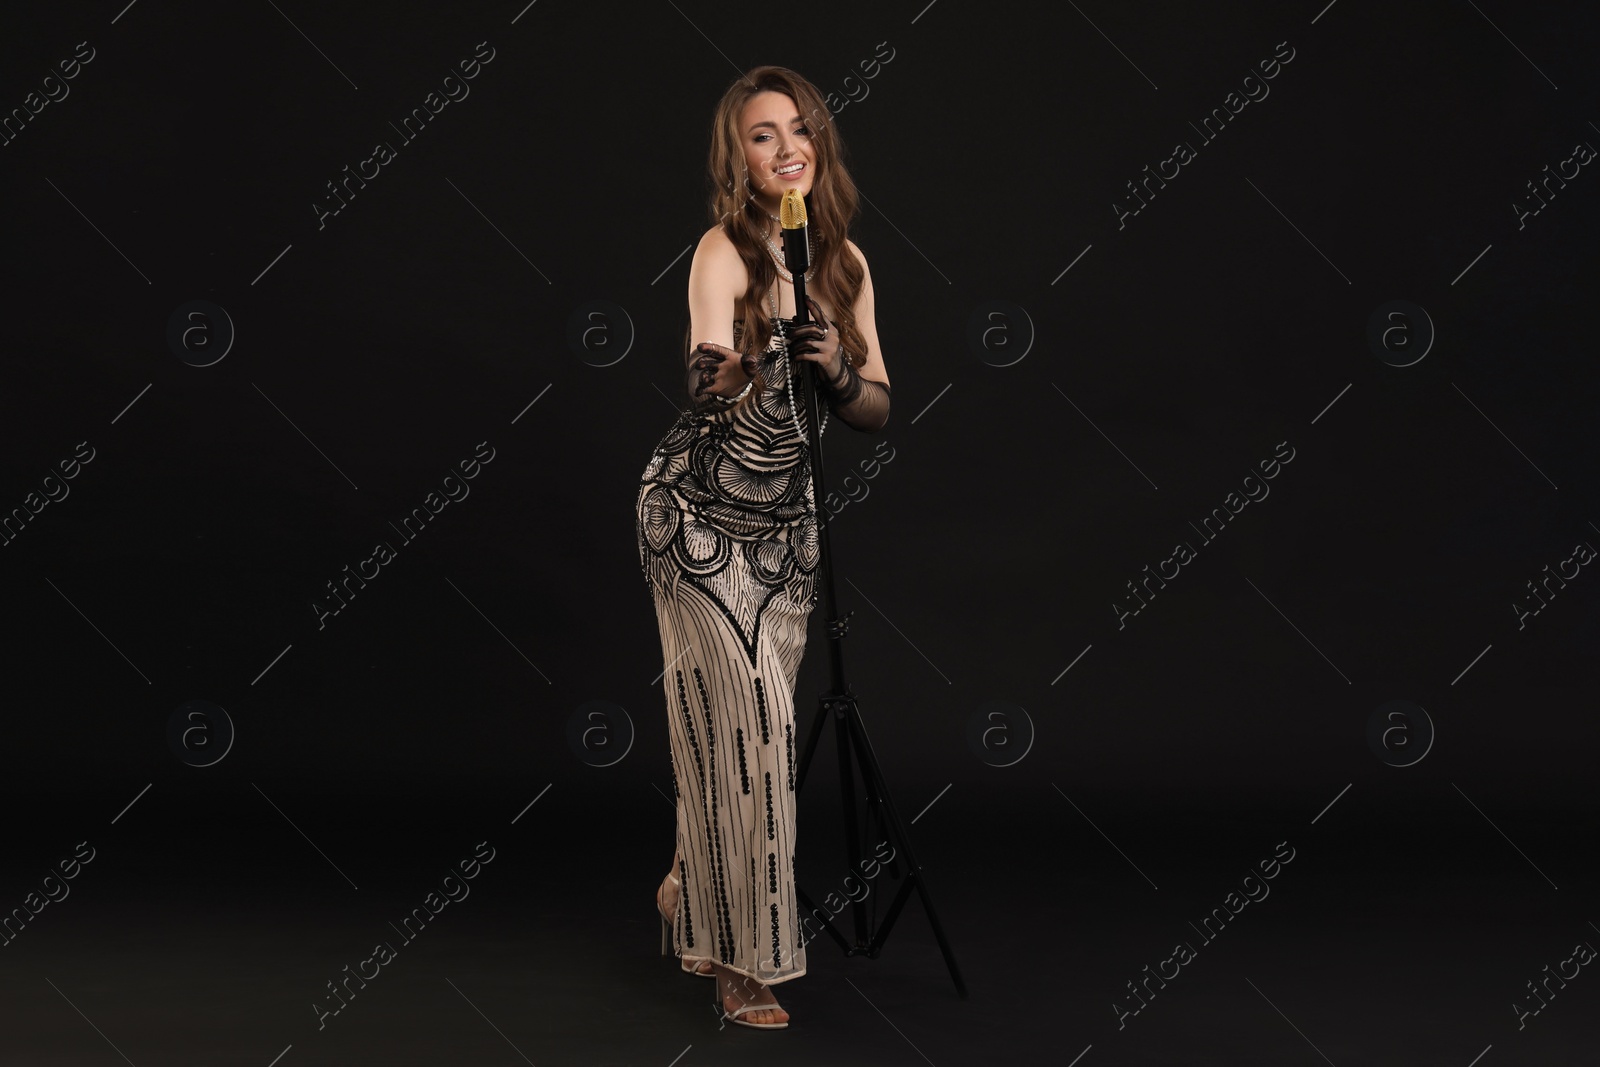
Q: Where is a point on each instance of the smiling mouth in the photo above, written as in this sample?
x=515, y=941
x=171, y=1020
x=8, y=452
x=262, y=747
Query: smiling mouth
x=790, y=170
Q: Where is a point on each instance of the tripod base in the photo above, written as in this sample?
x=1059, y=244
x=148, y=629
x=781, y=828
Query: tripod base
x=881, y=817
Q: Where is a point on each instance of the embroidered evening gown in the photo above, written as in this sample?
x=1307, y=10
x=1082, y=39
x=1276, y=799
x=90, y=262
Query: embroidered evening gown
x=727, y=534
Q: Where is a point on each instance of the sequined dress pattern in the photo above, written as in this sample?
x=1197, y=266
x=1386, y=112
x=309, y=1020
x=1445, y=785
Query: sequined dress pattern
x=727, y=536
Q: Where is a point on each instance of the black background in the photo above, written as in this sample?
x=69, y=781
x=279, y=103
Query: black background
x=434, y=312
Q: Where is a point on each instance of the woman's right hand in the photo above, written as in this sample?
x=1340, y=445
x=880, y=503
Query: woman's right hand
x=721, y=370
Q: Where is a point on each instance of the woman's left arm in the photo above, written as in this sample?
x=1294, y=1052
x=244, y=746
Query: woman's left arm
x=859, y=397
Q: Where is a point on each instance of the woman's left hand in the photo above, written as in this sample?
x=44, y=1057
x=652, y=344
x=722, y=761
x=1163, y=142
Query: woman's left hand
x=817, y=343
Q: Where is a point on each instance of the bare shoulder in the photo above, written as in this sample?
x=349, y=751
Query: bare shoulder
x=861, y=257
x=717, y=265
x=866, y=298
x=716, y=247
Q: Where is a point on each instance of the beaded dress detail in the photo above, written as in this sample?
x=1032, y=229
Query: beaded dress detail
x=727, y=538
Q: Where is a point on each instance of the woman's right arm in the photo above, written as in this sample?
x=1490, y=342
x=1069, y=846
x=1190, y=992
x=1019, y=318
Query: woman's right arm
x=716, y=281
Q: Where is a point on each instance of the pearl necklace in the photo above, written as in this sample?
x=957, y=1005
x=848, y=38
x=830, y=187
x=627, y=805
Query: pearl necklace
x=789, y=373
x=780, y=260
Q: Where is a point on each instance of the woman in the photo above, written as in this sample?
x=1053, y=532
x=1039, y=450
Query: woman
x=727, y=529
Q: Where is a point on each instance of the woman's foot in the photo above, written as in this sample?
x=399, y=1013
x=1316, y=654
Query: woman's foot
x=667, y=905
x=737, y=990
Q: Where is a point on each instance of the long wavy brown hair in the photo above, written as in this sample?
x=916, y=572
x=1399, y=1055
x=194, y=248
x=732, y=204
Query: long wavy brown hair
x=831, y=206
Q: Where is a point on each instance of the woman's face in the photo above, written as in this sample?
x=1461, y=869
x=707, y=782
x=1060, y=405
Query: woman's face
x=777, y=148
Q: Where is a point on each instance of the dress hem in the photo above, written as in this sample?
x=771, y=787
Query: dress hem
x=764, y=981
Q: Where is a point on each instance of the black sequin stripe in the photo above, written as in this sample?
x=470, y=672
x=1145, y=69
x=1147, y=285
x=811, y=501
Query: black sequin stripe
x=788, y=748
x=772, y=872
x=719, y=878
x=761, y=711
x=777, y=952
x=744, y=775
x=700, y=771
x=771, y=831
x=683, y=903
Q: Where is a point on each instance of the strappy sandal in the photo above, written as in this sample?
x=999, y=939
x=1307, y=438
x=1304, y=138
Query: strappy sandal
x=666, y=933
x=733, y=1016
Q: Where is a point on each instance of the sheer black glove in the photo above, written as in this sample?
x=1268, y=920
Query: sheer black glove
x=714, y=375
x=860, y=403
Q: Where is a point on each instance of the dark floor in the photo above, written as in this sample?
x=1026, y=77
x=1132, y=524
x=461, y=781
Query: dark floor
x=207, y=937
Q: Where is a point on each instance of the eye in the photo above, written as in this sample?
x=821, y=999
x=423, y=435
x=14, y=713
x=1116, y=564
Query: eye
x=761, y=137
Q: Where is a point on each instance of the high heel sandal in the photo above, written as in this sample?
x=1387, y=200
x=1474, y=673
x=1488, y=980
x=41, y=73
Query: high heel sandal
x=666, y=933
x=733, y=1016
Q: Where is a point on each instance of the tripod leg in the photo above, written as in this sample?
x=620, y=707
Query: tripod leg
x=841, y=708
x=872, y=773
x=812, y=738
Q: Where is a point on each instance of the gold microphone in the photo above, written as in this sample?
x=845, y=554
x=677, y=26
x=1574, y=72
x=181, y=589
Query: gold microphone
x=796, y=254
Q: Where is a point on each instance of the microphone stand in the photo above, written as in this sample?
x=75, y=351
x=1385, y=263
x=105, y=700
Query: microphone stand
x=839, y=703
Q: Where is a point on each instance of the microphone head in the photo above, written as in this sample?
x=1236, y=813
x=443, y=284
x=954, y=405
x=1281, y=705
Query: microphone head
x=792, y=210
